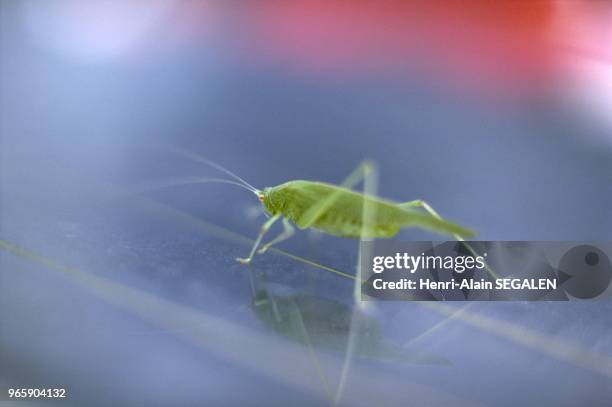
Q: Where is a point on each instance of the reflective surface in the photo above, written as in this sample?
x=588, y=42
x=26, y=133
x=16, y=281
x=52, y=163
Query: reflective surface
x=131, y=298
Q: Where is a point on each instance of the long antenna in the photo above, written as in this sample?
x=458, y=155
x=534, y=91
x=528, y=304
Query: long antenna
x=199, y=158
x=186, y=181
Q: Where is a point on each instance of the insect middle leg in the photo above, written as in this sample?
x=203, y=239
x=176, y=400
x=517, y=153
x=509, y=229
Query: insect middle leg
x=265, y=227
x=288, y=231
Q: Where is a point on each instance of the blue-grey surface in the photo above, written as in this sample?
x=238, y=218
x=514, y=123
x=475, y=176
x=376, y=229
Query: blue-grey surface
x=74, y=136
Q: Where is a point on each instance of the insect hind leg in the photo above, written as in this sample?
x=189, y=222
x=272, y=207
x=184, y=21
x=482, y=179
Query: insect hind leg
x=419, y=203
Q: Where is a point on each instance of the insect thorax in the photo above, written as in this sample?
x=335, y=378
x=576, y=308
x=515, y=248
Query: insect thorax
x=281, y=199
x=271, y=201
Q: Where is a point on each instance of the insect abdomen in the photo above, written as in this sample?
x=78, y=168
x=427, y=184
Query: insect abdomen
x=343, y=226
x=343, y=214
x=343, y=217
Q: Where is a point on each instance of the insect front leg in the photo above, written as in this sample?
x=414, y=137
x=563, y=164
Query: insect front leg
x=288, y=231
x=265, y=227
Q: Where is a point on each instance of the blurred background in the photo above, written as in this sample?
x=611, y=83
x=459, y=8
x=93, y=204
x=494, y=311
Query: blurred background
x=497, y=113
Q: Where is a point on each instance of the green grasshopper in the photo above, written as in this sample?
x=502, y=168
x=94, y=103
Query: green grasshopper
x=332, y=209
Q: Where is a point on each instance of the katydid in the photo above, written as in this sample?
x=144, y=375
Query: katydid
x=333, y=209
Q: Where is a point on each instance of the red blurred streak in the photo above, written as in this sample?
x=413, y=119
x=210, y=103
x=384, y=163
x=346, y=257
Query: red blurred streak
x=482, y=43
x=504, y=47
x=584, y=29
